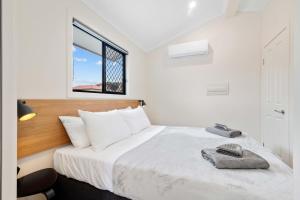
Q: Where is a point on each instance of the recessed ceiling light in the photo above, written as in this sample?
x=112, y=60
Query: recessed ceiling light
x=192, y=5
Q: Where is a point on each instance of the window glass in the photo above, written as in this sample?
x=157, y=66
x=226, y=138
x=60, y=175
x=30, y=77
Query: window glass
x=99, y=66
x=87, y=70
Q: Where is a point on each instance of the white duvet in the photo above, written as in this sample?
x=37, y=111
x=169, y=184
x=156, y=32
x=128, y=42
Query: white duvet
x=96, y=168
x=165, y=163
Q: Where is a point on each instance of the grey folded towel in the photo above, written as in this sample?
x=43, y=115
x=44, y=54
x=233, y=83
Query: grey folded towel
x=230, y=150
x=249, y=160
x=230, y=133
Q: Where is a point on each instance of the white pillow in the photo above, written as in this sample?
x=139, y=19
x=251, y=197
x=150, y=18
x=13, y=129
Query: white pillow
x=104, y=129
x=75, y=129
x=136, y=119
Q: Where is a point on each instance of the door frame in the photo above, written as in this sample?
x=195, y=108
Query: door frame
x=1, y=99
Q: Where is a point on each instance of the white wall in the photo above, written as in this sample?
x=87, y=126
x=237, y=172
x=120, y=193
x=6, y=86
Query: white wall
x=9, y=103
x=177, y=88
x=42, y=45
x=296, y=118
x=275, y=17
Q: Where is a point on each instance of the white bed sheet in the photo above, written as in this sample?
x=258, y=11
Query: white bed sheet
x=96, y=168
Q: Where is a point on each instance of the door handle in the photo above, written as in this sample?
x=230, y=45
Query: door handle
x=280, y=111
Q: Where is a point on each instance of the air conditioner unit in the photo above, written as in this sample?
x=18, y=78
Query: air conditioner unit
x=189, y=49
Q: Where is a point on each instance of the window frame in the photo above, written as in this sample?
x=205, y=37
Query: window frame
x=105, y=43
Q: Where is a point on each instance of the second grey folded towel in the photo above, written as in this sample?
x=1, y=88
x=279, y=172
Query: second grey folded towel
x=249, y=160
x=225, y=133
x=230, y=150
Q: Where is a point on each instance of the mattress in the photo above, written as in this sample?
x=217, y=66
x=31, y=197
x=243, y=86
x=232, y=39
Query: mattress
x=96, y=168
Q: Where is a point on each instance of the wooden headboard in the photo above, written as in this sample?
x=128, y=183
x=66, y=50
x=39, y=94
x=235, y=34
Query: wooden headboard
x=45, y=131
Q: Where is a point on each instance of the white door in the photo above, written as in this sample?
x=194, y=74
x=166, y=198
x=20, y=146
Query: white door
x=275, y=99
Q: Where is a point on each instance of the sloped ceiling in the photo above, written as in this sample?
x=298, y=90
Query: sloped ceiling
x=151, y=23
x=253, y=5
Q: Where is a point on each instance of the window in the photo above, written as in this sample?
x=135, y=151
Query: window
x=99, y=65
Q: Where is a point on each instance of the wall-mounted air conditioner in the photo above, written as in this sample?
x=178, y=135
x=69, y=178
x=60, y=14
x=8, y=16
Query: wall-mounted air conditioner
x=188, y=49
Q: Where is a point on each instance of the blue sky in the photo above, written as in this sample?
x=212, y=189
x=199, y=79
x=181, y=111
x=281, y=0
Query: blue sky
x=87, y=67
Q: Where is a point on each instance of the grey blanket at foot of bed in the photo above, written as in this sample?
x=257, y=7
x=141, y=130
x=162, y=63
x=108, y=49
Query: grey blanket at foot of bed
x=170, y=166
x=249, y=160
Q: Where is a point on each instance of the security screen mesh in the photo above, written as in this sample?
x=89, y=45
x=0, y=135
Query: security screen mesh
x=115, y=79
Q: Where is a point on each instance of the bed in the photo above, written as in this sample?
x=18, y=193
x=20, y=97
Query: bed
x=165, y=163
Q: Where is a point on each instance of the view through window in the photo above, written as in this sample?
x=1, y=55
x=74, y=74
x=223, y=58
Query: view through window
x=99, y=66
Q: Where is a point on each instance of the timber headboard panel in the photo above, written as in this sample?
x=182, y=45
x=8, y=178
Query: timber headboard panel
x=45, y=131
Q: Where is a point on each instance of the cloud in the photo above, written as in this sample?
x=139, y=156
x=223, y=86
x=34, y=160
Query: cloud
x=74, y=49
x=99, y=62
x=80, y=59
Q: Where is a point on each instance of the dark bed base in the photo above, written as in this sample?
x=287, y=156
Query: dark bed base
x=71, y=189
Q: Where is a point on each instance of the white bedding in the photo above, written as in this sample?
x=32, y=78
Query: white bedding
x=96, y=168
x=170, y=167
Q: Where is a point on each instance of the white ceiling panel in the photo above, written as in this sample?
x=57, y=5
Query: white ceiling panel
x=151, y=23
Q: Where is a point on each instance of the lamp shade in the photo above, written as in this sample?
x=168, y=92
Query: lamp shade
x=24, y=111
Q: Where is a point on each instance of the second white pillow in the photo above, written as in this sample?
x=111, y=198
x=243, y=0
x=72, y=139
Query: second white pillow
x=136, y=119
x=105, y=128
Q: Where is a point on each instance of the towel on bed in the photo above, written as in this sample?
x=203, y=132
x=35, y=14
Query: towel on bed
x=249, y=160
x=230, y=133
x=230, y=150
